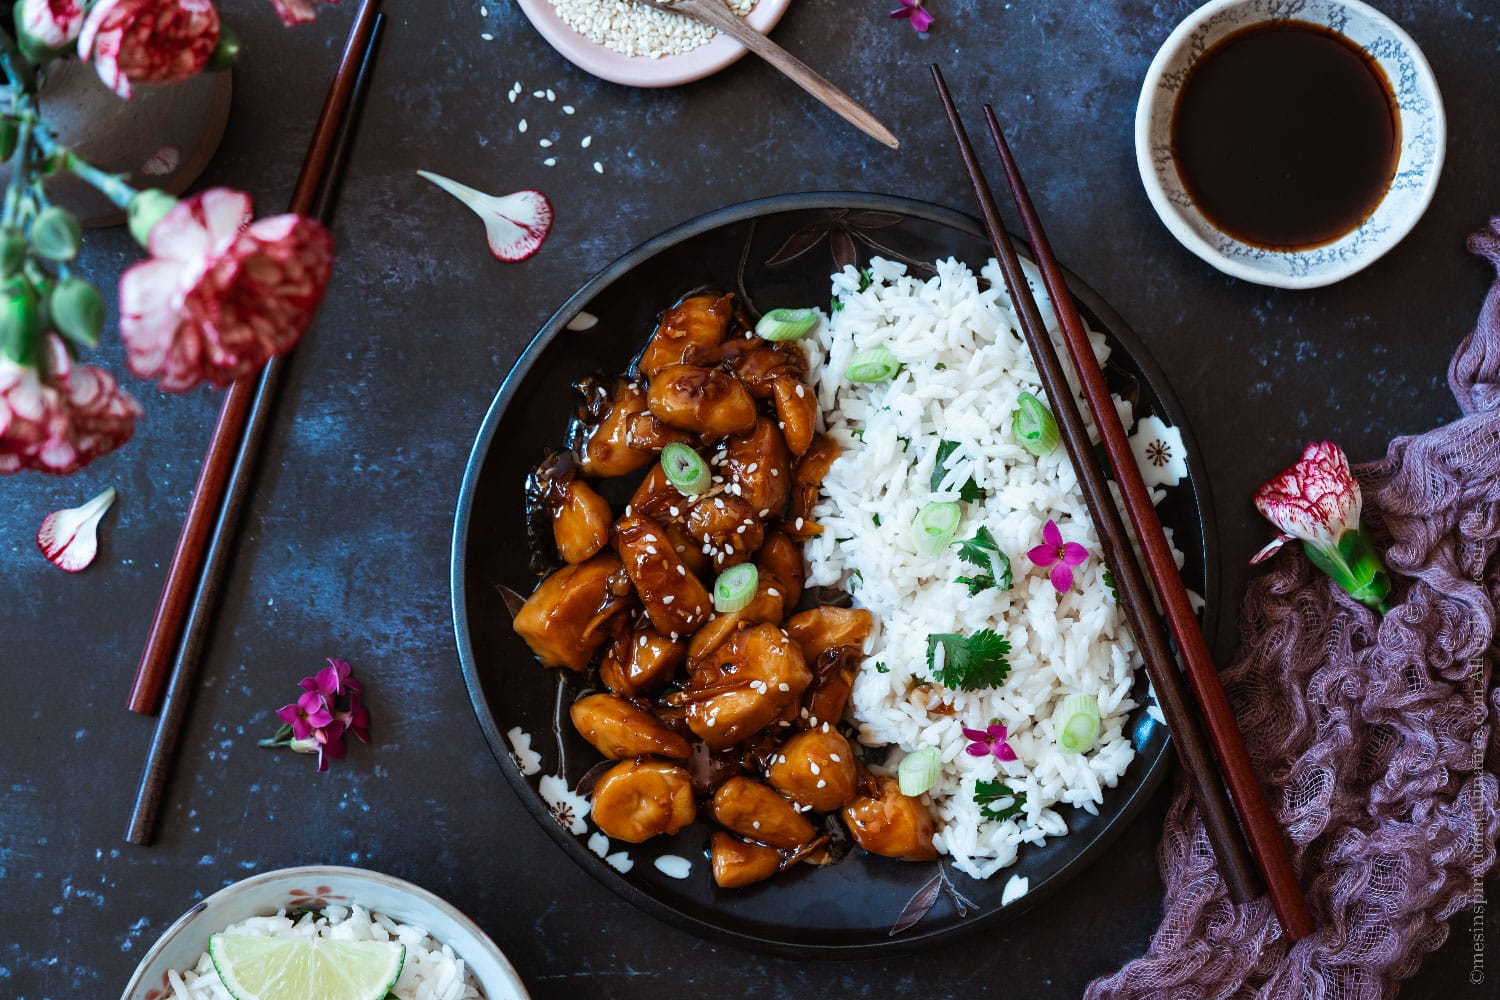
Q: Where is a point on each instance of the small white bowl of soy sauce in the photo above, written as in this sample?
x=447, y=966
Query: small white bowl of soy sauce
x=1290, y=144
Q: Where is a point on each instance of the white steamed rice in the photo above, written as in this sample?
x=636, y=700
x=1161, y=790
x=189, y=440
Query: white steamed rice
x=431, y=971
x=963, y=369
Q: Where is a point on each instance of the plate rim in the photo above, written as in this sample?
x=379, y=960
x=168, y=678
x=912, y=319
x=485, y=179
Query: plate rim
x=914, y=940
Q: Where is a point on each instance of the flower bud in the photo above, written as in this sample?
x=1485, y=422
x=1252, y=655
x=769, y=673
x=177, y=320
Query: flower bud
x=12, y=251
x=145, y=210
x=226, y=52
x=77, y=311
x=55, y=234
x=18, y=320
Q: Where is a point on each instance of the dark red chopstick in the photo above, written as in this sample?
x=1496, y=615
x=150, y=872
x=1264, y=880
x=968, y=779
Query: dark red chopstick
x=1172, y=694
x=239, y=473
x=163, y=639
x=1260, y=827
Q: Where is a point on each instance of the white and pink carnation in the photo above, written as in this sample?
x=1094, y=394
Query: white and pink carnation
x=62, y=420
x=221, y=295
x=1316, y=500
x=148, y=41
x=54, y=23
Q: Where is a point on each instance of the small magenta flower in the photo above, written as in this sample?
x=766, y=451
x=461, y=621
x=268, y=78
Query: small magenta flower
x=988, y=742
x=356, y=718
x=316, y=722
x=1317, y=501
x=915, y=13
x=307, y=714
x=333, y=680
x=1061, y=556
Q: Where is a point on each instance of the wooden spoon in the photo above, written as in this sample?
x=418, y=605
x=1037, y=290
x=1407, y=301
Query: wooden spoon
x=716, y=14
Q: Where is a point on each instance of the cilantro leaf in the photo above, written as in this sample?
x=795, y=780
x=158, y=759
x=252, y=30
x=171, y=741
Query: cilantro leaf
x=983, y=552
x=881, y=668
x=988, y=793
x=1109, y=581
x=969, y=491
x=969, y=664
x=835, y=305
x=866, y=279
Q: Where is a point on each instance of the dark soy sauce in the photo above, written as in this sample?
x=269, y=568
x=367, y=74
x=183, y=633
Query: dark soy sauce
x=1286, y=135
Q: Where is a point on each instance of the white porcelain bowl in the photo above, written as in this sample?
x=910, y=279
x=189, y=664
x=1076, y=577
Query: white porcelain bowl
x=1423, y=141
x=314, y=886
x=642, y=71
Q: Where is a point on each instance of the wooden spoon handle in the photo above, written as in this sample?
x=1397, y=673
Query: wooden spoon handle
x=718, y=15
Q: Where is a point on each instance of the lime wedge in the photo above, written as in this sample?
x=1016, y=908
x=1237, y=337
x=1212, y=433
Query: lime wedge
x=264, y=968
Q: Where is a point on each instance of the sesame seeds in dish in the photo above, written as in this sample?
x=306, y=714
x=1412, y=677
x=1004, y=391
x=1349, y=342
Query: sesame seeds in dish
x=633, y=29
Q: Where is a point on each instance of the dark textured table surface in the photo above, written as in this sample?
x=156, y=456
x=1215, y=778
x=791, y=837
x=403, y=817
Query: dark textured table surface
x=345, y=546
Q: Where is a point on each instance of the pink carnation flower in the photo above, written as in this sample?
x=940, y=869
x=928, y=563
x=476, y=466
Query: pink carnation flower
x=148, y=41
x=1316, y=500
x=54, y=23
x=221, y=295
x=298, y=11
x=61, y=421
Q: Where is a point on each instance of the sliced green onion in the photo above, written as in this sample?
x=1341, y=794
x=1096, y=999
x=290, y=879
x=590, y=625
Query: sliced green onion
x=1034, y=426
x=935, y=526
x=786, y=324
x=1076, y=721
x=685, y=469
x=877, y=364
x=735, y=588
x=918, y=771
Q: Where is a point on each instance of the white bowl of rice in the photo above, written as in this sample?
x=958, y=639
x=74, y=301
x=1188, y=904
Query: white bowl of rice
x=447, y=956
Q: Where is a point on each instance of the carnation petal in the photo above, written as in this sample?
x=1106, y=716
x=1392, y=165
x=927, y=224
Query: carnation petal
x=515, y=225
x=70, y=538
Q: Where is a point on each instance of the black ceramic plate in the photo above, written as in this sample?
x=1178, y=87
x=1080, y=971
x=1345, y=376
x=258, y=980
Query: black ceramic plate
x=779, y=251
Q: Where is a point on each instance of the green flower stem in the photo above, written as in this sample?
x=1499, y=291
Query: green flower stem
x=1355, y=566
x=112, y=186
x=16, y=66
x=20, y=172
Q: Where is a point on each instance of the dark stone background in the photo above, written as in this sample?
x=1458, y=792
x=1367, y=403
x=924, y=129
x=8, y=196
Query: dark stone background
x=345, y=547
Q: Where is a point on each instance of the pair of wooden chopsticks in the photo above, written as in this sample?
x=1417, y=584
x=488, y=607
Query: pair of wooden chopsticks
x=179, y=630
x=1196, y=749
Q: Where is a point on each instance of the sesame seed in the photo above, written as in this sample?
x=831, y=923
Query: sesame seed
x=521, y=125
x=765, y=511
x=550, y=95
x=544, y=143
x=681, y=571
x=673, y=511
x=598, y=167
x=800, y=391
x=568, y=109
x=822, y=783
x=651, y=549
x=669, y=599
x=643, y=640
x=627, y=510
x=649, y=537
x=835, y=758
x=550, y=161
x=775, y=473
x=798, y=524
x=587, y=141
x=538, y=93
x=755, y=824
x=710, y=722
x=812, y=766
x=740, y=530
x=752, y=468
x=487, y=36
x=773, y=592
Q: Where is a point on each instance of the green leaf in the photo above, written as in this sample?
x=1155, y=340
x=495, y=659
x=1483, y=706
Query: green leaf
x=1109, y=581
x=969, y=664
x=969, y=491
x=835, y=305
x=866, y=279
x=988, y=795
x=881, y=668
x=983, y=552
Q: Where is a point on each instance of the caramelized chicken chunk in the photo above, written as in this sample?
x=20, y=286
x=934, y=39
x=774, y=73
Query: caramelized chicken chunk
x=727, y=529
x=674, y=599
x=701, y=400
x=833, y=680
x=563, y=620
x=744, y=685
x=688, y=548
x=796, y=412
x=807, y=480
x=817, y=630
x=655, y=496
x=647, y=433
x=637, y=799
x=618, y=729
x=580, y=516
x=761, y=813
x=757, y=468
x=885, y=822
x=758, y=363
x=640, y=661
x=737, y=863
x=604, y=442
x=816, y=768
x=781, y=558
x=689, y=333
x=766, y=606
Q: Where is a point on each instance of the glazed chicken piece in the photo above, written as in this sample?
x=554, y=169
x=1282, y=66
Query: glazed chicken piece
x=807, y=480
x=759, y=363
x=816, y=768
x=707, y=401
x=647, y=433
x=580, y=516
x=780, y=557
x=818, y=630
x=564, y=620
x=637, y=799
x=618, y=729
x=885, y=822
x=757, y=468
x=674, y=599
x=738, y=863
x=639, y=661
x=796, y=412
x=726, y=529
x=606, y=415
x=760, y=813
x=689, y=333
x=766, y=606
x=655, y=496
x=744, y=685
x=833, y=672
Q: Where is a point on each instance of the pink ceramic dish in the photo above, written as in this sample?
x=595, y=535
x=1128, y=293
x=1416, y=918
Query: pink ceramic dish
x=641, y=71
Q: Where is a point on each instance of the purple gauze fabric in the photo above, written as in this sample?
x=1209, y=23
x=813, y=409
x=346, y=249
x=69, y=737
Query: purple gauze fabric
x=1377, y=738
